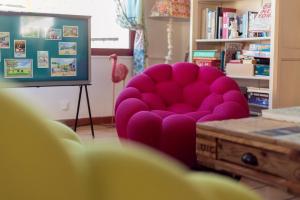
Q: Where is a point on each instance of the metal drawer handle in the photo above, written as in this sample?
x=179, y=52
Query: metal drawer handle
x=249, y=159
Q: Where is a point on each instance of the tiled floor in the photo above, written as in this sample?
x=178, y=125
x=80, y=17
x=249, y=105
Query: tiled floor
x=267, y=192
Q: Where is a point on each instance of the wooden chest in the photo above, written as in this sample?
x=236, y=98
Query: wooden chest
x=258, y=148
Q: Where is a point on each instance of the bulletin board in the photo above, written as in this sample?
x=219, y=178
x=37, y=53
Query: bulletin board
x=38, y=49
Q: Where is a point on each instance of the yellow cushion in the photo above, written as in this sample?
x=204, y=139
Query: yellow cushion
x=42, y=160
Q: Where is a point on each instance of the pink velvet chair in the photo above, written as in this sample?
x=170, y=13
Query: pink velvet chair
x=161, y=106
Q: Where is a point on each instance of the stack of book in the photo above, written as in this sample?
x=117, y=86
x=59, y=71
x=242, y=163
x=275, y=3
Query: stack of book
x=216, y=23
x=206, y=58
x=258, y=55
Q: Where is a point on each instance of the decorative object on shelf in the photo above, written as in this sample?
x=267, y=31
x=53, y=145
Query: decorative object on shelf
x=263, y=19
x=130, y=15
x=171, y=10
x=233, y=29
x=118, y=74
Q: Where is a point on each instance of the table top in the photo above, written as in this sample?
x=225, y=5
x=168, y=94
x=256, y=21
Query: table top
x=286, y=134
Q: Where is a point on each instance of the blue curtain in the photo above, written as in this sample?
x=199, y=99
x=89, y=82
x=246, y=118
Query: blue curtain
x=130, y=15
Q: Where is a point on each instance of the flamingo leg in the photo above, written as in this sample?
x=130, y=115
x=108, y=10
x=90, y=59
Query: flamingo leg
x=123, y=83
x=113, y=104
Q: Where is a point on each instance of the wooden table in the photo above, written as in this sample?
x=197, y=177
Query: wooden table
x=261, y=149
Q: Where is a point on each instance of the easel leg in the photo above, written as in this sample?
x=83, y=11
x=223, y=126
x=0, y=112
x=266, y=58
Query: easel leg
x=78, y=107
x=89, y=108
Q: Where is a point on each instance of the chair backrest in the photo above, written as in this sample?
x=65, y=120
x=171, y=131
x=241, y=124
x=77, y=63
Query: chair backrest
x=34, y=163
x=182, y=88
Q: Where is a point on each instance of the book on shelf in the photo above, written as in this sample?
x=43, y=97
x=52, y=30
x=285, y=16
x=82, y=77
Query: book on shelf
x=207, y=62
x=260, y=47
x=263, y=19
x=258, y=54
x=290, y=114
x=205, y=54
x=216, y=23
x=219, y=20
x=262, y=70
x=258, y=90
x=250, y=17
x=208, y=23
x=263, y=61
x=258, y=99
x=228, y=18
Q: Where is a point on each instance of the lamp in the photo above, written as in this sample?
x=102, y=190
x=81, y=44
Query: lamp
x=178, y=10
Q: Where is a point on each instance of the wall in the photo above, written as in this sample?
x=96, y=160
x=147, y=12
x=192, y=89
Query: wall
x=157, y=37
x=61, y=102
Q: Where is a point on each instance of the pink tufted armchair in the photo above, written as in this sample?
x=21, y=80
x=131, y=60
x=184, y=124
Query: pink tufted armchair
x=161, y=106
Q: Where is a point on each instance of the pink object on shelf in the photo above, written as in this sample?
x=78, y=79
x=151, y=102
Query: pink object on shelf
x=161, y=106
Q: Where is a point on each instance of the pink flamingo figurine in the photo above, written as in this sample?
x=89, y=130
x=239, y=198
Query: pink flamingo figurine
x=118, y=74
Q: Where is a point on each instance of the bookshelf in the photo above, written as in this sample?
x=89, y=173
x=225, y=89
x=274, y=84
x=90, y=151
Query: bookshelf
x=284, y=80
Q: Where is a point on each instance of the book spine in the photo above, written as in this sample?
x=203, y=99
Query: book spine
x=220, y=28
x=262, y=70
x=260, y=47
x=260, y=99
x=222, y=61
x=218, y=11
x=225, y=26
x=259, y=54
x=205, y=54
x=245, y=26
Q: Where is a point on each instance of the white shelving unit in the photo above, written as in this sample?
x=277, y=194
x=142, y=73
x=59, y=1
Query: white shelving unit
x=284, y=79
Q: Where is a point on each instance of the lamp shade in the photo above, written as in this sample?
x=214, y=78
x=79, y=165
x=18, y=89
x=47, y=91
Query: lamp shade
x=171, y=8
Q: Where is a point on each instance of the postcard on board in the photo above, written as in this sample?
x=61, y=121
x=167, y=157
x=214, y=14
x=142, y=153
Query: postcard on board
x=18, y=68
x=30, y=32
x=4, y=40
x=20, y=48
x=53, y=34
x=67, y=48
x=63, y=67
x=42, y=59
x=70, y=31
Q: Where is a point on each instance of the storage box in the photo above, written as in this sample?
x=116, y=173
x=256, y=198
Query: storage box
x=240, y=69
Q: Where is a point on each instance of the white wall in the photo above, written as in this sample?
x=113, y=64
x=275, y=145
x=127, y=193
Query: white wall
x=53, y=99
x=157, y=38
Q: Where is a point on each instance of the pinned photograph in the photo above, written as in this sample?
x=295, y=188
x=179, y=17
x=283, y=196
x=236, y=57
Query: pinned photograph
x=18, y=68
x=30, y=26
x=63, y=67
x=30, y=32
x=43, y=59
x=70, y=31
x=67, y=48
x=53, y=34
x=4, y=40
x=20, y=48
